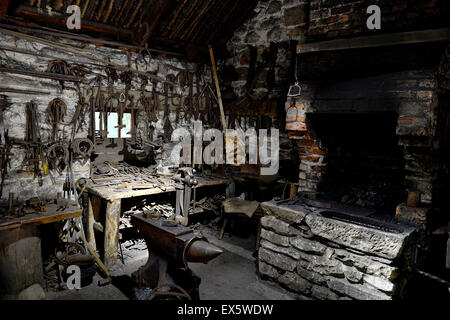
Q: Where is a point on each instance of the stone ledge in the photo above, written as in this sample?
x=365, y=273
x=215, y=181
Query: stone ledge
x=356, y=291
x=293, y=214
x=369, y=240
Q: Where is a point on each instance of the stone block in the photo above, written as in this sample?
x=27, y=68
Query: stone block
x=267, y=270
x=323, y=293
x=287, y=214
x=289, y=251
x=274, y=224
x=366, y=264
x=356, y=291
x=296, y=283
x=306, y=245
x=379, y=283
x=353, y=275
x=321, y=265
x=276, y=259
x=275, y=238
x=370, y=240
x=311, y=275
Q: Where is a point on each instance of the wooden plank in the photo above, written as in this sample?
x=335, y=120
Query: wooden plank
x=110, y=193
x=112, y=232
x=42, y=218
x=400, y=38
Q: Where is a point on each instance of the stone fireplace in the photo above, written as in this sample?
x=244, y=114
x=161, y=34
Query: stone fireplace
x=370, y=142
x=367, y=144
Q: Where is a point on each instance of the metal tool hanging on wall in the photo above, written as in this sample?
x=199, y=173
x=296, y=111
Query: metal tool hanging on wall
x=167, y=124
x=126, y=78
x=32, y=140
x=56, y=111
x=295, y=90
x=5, y=153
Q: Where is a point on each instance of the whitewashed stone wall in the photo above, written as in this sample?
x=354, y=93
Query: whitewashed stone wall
x=21, y=183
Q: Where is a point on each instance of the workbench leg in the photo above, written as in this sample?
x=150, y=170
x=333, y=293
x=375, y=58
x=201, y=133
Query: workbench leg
x=112, y=232
x=90, y=236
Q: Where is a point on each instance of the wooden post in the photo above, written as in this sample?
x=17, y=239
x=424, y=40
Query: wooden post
x=216, y=81
x=90, y=235
x=111, y=232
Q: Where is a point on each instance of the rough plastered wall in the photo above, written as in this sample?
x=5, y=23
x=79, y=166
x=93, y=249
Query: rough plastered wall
x=277, y=22
x=18, y=180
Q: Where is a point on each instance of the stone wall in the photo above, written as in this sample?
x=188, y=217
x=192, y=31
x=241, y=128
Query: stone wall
x=19, y=180
x=274, y=22
x=277, y=22
x=328, y=259
x=331, y=19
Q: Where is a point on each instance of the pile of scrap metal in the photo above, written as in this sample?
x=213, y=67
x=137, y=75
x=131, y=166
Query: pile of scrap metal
x=16, y=209
x=65, y=255
x=148, y=210
x=122, y=169
x=207, y=204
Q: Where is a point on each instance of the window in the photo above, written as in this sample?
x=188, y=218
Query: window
x=113, y=122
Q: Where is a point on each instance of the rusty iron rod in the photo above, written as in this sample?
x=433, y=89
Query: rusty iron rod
x=38, y=74
x=32, y=92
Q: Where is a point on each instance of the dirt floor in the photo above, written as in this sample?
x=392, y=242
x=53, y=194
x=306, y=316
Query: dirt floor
x=230, y=276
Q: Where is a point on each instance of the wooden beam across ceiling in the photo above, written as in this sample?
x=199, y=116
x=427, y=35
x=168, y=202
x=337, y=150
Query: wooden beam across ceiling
x=151, y=19
x=59, y=20
x=382, y=40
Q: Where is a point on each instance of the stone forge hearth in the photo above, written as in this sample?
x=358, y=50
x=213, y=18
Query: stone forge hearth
x=379, y=130
x=343, y=257
x=366, y=145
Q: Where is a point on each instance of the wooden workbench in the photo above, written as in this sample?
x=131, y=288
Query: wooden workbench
x=113, y=193
x=49, y=216
x=20, y=246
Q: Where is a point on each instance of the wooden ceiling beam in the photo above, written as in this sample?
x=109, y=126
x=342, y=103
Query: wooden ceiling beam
x=151, y=20
x=381, y=40
x=59, y=20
